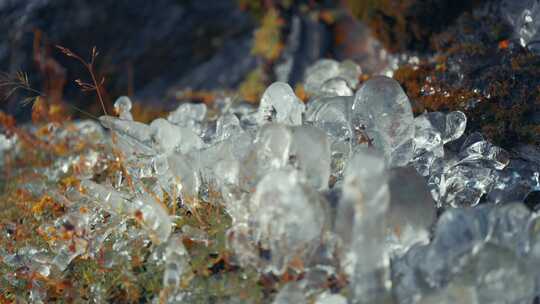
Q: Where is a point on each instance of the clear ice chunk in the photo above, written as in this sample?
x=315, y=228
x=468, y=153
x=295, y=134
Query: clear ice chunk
x=523, y=16
x=350, y=71
x=227, y=126
x=461, y=186
x=451, y=125
x=382, y=111
x=134, y=129
x=486, y=153
x=134, y=137
x=287, y=217
x=508, y=225
x=273, y=145
x=363, y=207
x=176, y=262
x=107, y=198
x=320, y=72
x=336, y=86
x=279, y=104
x=189, y=115
x=310, y=153
x=458, y=232
x=428, y=145
x=499, y=276
x=154, y=216
x=332, y=115
x=169, y=137
x=412, y=208
x=325, y=69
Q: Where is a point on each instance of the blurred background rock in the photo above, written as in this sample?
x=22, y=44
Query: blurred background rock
x=163, y=52
x=151, y=49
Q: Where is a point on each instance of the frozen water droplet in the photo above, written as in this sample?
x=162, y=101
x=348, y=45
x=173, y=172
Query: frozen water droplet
x=365, y=191
x=326, y=69
x=350, y=71
x=523, y=16
x=499, y=276
x=227, y=125
x=336, y=86
x=189, y=115
x=318, y=73
x=169, y=137
x=122, y=106
x=279, y=104
x=382, y=110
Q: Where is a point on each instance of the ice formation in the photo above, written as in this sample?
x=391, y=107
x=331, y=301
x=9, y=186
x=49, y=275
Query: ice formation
x=524, y=17
x=348, y=187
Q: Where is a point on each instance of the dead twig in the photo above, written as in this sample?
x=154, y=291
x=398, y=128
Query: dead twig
x=95, y=85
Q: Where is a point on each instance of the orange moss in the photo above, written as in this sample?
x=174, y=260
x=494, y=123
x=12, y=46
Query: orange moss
x=301, y=93
x=429, y=94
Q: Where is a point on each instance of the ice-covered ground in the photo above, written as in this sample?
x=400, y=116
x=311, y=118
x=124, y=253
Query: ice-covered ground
x=348, y=185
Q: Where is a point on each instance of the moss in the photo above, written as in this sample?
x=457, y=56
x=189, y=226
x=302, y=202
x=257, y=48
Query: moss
x=478, y=71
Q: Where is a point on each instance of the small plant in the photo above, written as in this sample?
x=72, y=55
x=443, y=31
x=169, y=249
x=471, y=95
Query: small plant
x=95, y=85
x=18, y=82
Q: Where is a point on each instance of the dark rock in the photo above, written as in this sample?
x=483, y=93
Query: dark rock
x=407, y=25
x=161, y=41
x=307, y=41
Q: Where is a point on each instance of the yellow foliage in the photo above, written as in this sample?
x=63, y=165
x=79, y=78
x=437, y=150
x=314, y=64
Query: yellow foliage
x=268, y=42
x=253, y=86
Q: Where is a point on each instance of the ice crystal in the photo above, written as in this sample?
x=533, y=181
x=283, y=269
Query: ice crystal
x=350, y=199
